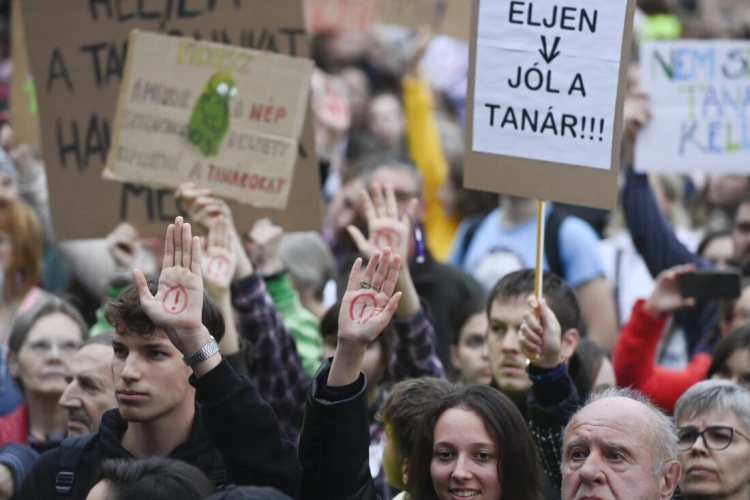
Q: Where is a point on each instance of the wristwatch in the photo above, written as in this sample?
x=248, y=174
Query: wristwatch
x=203, y=353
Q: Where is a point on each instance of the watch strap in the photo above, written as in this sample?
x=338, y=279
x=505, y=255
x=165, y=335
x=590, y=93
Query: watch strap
x=202, y=354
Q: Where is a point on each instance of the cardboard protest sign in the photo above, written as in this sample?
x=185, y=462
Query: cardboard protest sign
x=335, y=15
x=23, y=104
x=445, y=17
x=699, y=99
x=77, y=51
x=546, y=88
x=223, y=117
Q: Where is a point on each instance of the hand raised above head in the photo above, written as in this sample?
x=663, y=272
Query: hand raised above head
x=369, y=303
x=177, y=307
x=220, y=260
x=383, y=224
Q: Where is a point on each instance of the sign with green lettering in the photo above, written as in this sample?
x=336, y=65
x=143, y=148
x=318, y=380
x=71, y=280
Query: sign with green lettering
x=222, y=117
x=77, y=52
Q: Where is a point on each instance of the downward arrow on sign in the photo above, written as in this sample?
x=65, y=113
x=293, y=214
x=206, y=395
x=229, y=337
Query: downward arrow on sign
x=549, y=57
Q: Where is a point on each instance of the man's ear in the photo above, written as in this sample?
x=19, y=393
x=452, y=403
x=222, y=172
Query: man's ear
x=670, y=478
x=568, y=343
x=13, y=366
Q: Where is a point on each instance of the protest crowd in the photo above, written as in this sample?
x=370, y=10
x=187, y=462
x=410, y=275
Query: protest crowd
x=400, y=350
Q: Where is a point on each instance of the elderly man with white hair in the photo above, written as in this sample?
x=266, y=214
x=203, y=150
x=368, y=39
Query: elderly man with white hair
x=619, y=446
x=713, y=419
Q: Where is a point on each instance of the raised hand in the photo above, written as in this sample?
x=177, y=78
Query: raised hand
x=369, y=303
x=265, y=239
x=203, y=207
x=666, y=297
x=121, y=244
x=177, y=308
x=383, y=225
x=220, y=260
x=541, y=337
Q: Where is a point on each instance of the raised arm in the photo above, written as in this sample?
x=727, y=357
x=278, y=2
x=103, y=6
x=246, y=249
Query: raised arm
x=239, y=424
x=414, y=353
x=334, y=448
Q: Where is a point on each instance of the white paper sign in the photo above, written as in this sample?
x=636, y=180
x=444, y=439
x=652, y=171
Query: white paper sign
x=700, y=101
x=546, y=79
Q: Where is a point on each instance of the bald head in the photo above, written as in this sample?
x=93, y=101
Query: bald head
x=619, y=445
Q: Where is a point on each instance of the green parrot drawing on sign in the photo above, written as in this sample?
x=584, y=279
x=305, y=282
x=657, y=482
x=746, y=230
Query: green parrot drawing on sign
x=209, y=122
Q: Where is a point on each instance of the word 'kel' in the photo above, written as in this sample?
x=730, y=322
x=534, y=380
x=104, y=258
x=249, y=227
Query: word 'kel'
x=699, y=97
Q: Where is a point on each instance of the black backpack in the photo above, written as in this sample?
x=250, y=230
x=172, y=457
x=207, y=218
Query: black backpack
x=71, y=451
x=551, y=238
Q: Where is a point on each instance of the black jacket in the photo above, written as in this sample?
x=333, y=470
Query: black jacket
x=233, y=423
x=335, y=441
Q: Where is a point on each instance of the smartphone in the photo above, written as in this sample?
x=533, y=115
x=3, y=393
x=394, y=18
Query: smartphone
x=705, y=284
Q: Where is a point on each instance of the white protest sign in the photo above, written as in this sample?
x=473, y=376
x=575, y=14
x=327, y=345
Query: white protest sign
x=546, y=84
x=700, y=95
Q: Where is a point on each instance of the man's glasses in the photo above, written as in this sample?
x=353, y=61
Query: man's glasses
x=716, y=437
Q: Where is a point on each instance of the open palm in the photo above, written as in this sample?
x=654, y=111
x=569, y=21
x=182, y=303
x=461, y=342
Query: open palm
x=369, y=304
x=220, y=260
x=178, y=304
x=384, y=227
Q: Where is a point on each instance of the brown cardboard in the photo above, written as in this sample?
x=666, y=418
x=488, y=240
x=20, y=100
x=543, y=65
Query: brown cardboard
x=23, y=116
x=324, y=16
x=186, y=83
x=77, y=56
x=538, y=179
x=445, y=17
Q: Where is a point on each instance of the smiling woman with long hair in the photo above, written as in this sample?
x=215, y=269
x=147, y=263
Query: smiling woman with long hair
x=474, y=444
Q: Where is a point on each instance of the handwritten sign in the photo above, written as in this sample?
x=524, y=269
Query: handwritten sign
x=700, y=97
x=23, y=105
x=546, y=92
x=78, y=65
x=223, y=117
x=445, y=17
x=324, y=16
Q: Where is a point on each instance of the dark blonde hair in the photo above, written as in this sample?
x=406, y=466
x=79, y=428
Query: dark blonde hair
x=21, y=224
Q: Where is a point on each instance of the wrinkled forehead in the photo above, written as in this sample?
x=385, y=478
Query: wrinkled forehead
x=610, y=419
x=93, y=356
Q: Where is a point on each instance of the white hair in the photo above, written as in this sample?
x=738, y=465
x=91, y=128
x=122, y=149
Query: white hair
x=664, y=432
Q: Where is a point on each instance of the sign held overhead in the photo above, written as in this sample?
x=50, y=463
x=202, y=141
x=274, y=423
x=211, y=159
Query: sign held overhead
x=223, y=117
x=700, y=96
x=545, y=96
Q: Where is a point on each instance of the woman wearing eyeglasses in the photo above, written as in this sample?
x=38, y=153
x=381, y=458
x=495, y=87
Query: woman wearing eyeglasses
x=713, y=422
x=41, y=345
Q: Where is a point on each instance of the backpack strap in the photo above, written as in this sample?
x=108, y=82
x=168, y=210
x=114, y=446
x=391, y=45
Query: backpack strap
x=552, y=240
x=71, y=451
x=473, y=224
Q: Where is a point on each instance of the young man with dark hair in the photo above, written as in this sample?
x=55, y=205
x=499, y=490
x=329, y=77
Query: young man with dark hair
x=165, y=349
x=507, y=306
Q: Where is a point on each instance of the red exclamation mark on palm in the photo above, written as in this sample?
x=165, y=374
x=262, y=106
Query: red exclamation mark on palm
x=175, y=300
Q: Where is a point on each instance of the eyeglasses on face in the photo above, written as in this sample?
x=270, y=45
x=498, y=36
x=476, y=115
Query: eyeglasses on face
x=715, y=437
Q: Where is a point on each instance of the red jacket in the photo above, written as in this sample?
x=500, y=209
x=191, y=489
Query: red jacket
x=635, y=365
x=14, y=427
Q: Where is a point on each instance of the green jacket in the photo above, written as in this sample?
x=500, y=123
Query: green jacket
x=303, y=324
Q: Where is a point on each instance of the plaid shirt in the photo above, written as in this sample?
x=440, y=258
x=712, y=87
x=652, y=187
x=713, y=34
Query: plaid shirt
x=275, y=368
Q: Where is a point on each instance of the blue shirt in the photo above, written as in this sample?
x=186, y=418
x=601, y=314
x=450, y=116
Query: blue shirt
x=496, y=250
